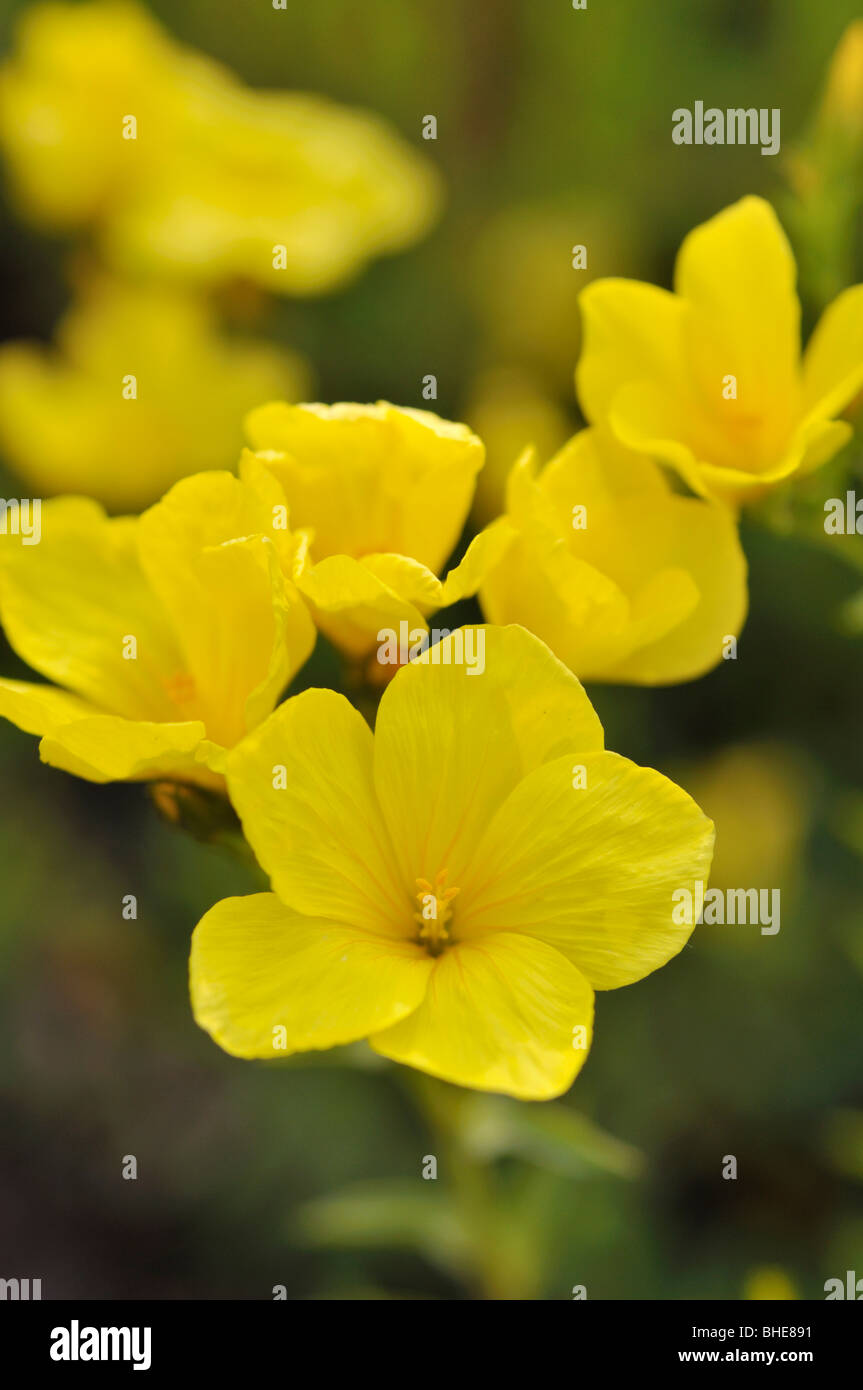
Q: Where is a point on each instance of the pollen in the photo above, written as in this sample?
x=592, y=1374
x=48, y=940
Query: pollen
x=435, y=913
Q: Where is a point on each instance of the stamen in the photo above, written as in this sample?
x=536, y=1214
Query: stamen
x=435, y=912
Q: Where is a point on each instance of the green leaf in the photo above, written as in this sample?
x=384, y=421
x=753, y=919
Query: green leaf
x=551, y=1136
x=389, y=1214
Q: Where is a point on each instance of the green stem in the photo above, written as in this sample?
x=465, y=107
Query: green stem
x=496, y=1270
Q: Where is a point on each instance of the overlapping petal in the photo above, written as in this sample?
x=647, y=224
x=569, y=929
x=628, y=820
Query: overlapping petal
x=647, y=589
x=244, y=631
x=70, y=604
x=450, y=745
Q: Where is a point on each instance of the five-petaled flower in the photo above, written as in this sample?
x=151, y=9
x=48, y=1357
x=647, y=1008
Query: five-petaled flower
x=710, y=379
x=445, y=887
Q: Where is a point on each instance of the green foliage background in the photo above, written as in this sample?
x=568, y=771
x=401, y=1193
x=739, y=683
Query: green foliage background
x=308, y=1174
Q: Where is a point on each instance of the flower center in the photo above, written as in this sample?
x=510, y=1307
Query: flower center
x=434, y=913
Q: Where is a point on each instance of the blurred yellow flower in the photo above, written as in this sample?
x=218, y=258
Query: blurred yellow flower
x=709, y=379
x=142, y=388
x=75, y=77
x=104, y=119
x=841, y=111
x=527, y=267
x=384, y=492
x=769, y=1283
x=758, y=796
x=622, y=577
x=169, y=636
x=460, y=896
x=506, y=408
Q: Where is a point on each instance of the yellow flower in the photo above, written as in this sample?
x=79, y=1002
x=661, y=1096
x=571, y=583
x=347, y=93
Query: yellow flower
x=841, y=111
x=710, y=379
x=213, y=179
x=622, y=577
x=169, y=636
x=75, y=76
x=141, y=389
x=770, y=1283
x=446, y=887
x=285, y=189
x=384, y=492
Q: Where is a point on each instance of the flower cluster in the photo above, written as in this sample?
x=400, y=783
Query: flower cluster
x=454, y=885
x=106, y=122
x=197, y=196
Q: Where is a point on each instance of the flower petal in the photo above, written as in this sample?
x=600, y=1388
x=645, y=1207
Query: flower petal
x=40, y=709
x=502, y=1014
x=257, y=967
x=712, y=461
x=632, y=332
x=581, y=613
x=69, y=603
x=315, y=826
x=484, y=551
x=833, y=361
x=109, y=749
x=738, y=276
x=645, y=591
x=243, y=627
x=371, y=479
x=352, y=600
x=451, y=744
x=591, y=869
x=78, y=738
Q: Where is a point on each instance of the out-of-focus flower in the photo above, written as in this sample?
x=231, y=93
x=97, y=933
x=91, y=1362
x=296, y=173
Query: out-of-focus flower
x=824, y=170
x=76, y=75
x=460, y=897
x=769, y=1283
x=142, y=388
x=526, y=287
x=709, y=379
x=105, y=120
x=841, y=111
x=169, y=636
x=623, y=578
x=508, y=409
x=757, y=796
x=385, y=493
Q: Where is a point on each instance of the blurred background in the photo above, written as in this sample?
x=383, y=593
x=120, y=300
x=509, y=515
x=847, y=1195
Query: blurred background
x=553, y=129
